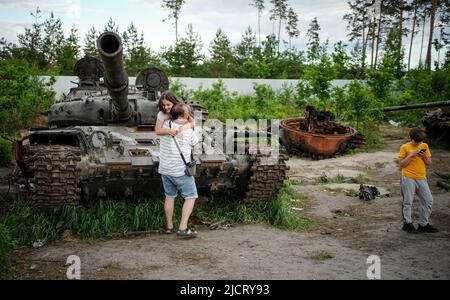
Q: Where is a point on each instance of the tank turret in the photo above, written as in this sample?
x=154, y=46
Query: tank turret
x=109, y=46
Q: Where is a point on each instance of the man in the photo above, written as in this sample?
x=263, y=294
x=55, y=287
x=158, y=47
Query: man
x=414, y=156
x=172, y=169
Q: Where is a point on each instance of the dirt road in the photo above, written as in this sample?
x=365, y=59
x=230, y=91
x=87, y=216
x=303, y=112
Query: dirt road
x=347, y=231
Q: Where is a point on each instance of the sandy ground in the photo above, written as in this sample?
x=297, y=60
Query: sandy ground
x=347, y=231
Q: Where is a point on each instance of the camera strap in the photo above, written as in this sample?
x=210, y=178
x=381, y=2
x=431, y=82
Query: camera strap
x=178, y=147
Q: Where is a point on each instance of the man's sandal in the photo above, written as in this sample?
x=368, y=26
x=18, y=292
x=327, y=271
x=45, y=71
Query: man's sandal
x=167, y=231
x=187, y=233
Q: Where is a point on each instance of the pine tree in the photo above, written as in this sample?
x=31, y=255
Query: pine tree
x=136, y=54
x=245, y=49
x=292, y=25
x=434, y=4
x=31, y=42
x=314, y=49
x=279, y=11
x=392, y=61
x=259, y=4
x=185, y=56
x=175, y=7
x=52, y=40
x=90, y=43
x=221, y=55
x=111, y=26
x=340, y=60
x=358, y=24
x=70, y=53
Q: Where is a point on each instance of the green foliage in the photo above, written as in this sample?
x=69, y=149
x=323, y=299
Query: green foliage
x=440, y=83
x=24, y=96
x=7, y=245
x=221, y=56
x=277, y=212
x=360, y=102
x=90, y=43
x=137, y=56
x=69, y=54
x=184, y=58
x=5, y=152
x=319, y=83
x=315, y=50
x=265, y=104
x=94, y=220
x=324, y=179
x=380, y=83
x=340, y=61
x=392, y=61
x=107, y=218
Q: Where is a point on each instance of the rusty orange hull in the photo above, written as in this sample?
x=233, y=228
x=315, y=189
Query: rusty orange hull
x=318, y=144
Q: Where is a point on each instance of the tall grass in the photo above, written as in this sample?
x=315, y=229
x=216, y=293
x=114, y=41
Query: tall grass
x=105, y=218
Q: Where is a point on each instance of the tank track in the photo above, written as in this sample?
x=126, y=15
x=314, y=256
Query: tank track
x=56, y=176
x=267, y=176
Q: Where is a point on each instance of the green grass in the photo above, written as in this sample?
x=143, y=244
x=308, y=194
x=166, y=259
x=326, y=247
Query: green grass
x=7, y=245
x=322, y=256
x=101, y=219
x=339, y=178
x=324, y=179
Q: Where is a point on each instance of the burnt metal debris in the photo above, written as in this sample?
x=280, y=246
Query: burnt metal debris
x=437, y=125
x=368, y=192
x=101, y=141
x=317, y=136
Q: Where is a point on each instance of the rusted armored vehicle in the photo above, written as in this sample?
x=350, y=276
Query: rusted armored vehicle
x=317, y=136
x=101, y=141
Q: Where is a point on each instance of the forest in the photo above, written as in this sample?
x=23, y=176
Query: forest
x=376, y=56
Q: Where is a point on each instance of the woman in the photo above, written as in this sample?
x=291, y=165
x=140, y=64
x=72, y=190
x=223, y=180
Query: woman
x=166, y=102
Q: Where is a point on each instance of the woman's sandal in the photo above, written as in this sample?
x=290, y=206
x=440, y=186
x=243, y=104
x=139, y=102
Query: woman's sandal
x=187, y=233
x=167, y=231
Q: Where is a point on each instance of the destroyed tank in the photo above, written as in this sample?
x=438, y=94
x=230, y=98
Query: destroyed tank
x=101, y=141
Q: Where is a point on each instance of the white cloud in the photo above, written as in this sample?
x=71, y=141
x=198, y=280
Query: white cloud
x=9, y=30
x=70, y=8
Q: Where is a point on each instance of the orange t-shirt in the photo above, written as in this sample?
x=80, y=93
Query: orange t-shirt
x=416, y=168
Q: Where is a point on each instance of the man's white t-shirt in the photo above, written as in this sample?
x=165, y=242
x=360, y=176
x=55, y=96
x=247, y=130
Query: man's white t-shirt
x=170, y=161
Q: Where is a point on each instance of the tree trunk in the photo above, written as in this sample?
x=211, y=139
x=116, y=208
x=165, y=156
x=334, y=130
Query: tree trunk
x=430, y=38
x=373, y=41
x=259, y=28
x=421, y=44
x=176, y=31
x=363, y=58
x=412, y=35
x=279, y=34
x=378, y=39
x=400, y=26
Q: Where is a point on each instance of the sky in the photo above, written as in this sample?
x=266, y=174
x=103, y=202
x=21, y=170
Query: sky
x=206, y=16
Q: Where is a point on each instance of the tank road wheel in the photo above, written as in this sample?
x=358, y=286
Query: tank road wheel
x=267, y=175
x=56, y=176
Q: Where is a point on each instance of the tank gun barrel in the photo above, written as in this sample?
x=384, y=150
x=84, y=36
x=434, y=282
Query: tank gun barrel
x=110, y=48
x=413, y=106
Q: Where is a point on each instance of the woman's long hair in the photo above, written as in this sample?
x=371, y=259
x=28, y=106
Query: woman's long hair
x=168, y=96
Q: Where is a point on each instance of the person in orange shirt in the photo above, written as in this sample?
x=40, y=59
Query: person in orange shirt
x=414, y=156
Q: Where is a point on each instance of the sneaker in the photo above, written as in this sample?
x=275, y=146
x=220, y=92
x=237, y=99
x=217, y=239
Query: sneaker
x=409, y=227
x=427, y=228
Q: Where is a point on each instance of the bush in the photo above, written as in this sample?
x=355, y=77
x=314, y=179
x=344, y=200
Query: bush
x=23, y=95
x=5, y=152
